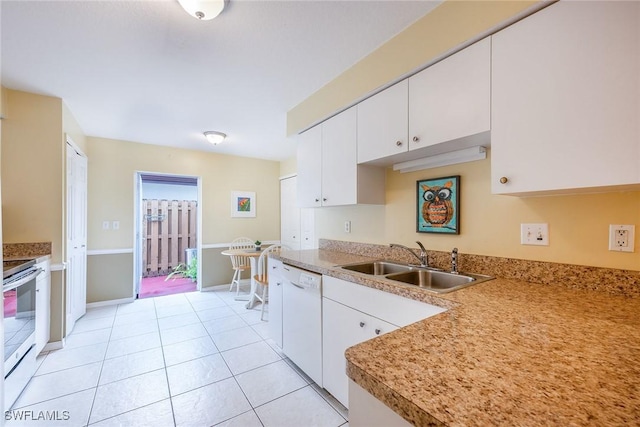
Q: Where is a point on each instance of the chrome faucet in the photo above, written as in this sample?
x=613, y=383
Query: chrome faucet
x=454, y=261
x=423, y=258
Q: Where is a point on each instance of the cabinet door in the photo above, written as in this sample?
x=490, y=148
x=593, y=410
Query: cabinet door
x=43, y=306
x=565, y=99
x=275, y=301
x=451, y=99
x=339, y=160
x=310, y=168
x=289, y=214
x=382, y=123
x=308, y=229
x=344, y=327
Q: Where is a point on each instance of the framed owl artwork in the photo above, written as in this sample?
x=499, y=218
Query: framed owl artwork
x=438, y=205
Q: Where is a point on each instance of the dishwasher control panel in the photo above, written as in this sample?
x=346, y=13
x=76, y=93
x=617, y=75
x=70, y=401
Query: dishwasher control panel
x=309, y=280
x=302, y=278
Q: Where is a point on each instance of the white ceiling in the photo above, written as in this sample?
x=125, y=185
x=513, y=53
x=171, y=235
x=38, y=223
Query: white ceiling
x=146, y=71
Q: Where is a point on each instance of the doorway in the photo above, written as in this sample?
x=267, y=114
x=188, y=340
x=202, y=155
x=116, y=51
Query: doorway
x=167, y=234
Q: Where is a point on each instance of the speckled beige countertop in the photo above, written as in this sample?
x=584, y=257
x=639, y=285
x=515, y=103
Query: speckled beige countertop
x=19, y=251
x=507, y=352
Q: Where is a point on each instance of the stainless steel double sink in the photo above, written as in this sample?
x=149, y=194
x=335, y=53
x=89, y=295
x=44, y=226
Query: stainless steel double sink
x=431, y=279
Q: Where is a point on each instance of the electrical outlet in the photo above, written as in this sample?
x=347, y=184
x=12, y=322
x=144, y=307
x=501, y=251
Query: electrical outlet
x=621, y=238
x=347, y=226
x=105, y=225
x=534, y=234
x=116, y=225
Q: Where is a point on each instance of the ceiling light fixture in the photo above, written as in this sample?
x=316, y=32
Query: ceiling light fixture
x=444, y=159
x=215, y=137
x=204, y=10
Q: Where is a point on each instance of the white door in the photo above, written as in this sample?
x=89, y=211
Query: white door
x=76, y=236
x=289, y=214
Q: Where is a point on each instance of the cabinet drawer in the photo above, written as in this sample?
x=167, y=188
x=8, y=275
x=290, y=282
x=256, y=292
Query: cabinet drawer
x=389, y=307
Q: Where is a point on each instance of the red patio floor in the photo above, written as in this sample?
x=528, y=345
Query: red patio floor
x=157, y=286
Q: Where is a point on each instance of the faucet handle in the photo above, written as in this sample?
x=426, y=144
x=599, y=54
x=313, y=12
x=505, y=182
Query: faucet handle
x=454, y=261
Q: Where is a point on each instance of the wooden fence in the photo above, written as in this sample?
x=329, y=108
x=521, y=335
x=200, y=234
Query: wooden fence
x=169, y=227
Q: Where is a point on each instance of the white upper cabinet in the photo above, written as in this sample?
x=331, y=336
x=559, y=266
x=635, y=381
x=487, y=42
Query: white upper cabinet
x=443, y=108
x=339, y=162
x=382, y=123
x=566, y=100
x=309, y=185
x=328, y=173
x=451, y=99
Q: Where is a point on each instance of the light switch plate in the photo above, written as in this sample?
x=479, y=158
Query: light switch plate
x=621, y=237
x=534, y=234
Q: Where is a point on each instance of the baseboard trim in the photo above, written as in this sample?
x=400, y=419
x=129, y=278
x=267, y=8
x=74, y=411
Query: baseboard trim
x=54, y=345
x=214, y=288
x=110, y=302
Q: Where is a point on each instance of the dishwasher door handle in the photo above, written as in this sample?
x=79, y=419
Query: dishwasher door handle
x=297, y=286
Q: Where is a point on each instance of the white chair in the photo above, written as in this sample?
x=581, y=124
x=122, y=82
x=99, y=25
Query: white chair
x=238, y=262
x=262, y=275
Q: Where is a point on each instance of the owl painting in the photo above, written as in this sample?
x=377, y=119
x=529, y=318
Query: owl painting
x=438, y=205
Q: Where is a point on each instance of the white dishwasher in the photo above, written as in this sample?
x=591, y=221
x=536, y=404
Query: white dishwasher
x=302, y=320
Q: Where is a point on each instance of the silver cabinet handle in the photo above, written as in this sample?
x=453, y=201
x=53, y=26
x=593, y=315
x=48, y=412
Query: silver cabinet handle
x=362, y=324
x=378, y=331
x=416, y=139
x=398, y=143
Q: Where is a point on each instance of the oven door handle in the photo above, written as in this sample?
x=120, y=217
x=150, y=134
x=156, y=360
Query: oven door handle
x=22, y=281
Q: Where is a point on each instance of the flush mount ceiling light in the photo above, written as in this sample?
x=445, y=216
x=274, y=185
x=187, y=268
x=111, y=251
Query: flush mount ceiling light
x=444, y=159
x=215, y=137
x=204, y=10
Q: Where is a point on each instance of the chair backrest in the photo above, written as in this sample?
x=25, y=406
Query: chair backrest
x=238, y=261
x=262, y=273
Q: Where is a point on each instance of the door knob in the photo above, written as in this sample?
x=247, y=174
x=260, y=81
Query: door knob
x=378, y=331
x=416, y=139
x=398, y=143
x=504, y=180
x=362, y=324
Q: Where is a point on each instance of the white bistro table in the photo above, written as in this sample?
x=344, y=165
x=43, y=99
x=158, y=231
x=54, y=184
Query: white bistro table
x=253, y=255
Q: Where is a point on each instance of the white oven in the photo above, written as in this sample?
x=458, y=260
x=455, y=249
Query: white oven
x=19, y=300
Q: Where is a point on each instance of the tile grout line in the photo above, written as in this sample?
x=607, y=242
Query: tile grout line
x=164, y=360
x=95, y=393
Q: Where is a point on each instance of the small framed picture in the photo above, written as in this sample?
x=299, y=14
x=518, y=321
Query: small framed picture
x=438, y=205
x=243, y=204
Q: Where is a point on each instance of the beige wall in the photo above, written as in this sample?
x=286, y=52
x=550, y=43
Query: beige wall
x=33, y=164
x=449, y=25
x=490, y=224
x=72, y=129
x=112, y=167
x=32, y=171
x=289, y=166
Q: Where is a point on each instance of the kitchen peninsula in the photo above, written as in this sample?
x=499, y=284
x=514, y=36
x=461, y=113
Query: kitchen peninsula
x=509, y=351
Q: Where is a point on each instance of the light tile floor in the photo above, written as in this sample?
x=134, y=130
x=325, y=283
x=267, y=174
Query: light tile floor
x=194, y=359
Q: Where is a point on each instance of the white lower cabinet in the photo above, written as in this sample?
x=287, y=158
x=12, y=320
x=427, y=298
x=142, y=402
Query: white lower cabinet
x=367, y=411
x=43, y=305
x=275, y=301
x=344, y=327
x=353, y=313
